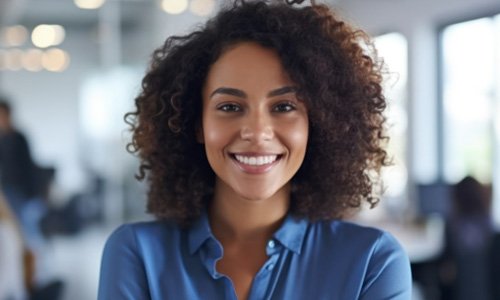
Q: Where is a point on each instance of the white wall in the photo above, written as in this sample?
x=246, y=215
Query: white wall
x=48, y=105
x=46, y=109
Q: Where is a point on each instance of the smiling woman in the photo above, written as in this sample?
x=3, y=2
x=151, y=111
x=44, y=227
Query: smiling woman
x=257, y=134
x=253, y=126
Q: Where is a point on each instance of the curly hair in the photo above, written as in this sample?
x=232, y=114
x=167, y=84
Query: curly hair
x=338, y=78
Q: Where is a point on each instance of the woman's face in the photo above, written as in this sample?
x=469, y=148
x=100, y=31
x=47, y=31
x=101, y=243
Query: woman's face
x=254, y=128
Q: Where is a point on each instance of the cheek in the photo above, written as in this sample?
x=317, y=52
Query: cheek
x=298, y=136
x=215, y=136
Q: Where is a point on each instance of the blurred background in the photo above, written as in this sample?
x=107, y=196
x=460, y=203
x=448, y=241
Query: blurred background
x=69, y=71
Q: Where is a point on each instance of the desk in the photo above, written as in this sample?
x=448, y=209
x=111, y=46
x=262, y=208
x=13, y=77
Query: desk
x=423, y=240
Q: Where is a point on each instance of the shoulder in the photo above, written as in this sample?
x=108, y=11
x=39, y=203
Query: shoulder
x=354, y=235
x=139, y=241
x=143, y=228
x=141, y=234
x=385, y=263
x=135, y=248
x=378, y=246
x=130, y=254
x=18, y=136
x=347, y=243
x=375, y=241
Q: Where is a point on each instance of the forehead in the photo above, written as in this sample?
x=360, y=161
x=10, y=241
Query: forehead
x=247, y=65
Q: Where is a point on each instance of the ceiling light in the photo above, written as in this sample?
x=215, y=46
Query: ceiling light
x=55, y=60
x=14, y=35
x=32, y=60
x=13, y=59
x=174, y=7
x=44, y=35
x=202, y=7
x=89, y=4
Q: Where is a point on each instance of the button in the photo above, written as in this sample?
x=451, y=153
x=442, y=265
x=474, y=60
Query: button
x=269, y=267
x=271, y=244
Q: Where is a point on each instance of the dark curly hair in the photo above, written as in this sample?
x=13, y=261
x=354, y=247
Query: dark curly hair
x=338, y=78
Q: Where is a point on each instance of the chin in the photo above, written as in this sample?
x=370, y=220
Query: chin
x=256, y=198
x=256, y=195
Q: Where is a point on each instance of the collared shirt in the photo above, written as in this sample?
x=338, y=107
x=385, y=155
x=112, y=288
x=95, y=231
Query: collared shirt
x=306, y=260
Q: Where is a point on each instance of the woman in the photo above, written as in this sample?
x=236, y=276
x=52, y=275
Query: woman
x=16, y=265
x=257, y=134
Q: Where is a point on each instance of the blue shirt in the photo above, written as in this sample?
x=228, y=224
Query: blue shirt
x=320, y=260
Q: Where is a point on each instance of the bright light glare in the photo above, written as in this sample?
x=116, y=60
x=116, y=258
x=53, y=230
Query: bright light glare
x=32, y=60
x=174, y=7
x=105, y=98
x=13, y=59
x=89, y=4
x=393, y=49
x=14, y=35
x=395, y=179
x=202, y=7
x=55, y=60
x=44, y=35
x=468, y=79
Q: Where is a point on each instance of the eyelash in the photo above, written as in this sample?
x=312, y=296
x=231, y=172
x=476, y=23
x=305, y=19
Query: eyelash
x=289, y=107
x=229, y=107
x=232, y=107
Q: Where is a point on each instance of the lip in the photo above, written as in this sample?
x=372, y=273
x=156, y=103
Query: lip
x=252, y=169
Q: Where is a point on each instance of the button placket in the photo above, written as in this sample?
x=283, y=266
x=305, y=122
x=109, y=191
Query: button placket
x=262, y=280
x=269, y=267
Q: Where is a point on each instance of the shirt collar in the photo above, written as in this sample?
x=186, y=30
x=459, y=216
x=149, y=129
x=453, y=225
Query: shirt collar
x=199, y=232
x=290, y=234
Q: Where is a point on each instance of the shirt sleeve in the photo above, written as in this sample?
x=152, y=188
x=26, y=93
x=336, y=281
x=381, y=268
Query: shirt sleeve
x=388, y=275
x=122, y=274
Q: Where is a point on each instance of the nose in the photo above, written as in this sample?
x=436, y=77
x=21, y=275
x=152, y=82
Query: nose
x=257, y=127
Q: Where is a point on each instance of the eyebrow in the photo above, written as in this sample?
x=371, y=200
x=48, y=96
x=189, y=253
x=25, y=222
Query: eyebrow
x=242, y=94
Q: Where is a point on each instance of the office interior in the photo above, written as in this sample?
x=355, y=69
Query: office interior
x=71, y=70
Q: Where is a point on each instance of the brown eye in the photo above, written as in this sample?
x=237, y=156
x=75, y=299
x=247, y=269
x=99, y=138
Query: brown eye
x=284, y=107
x=229, y=107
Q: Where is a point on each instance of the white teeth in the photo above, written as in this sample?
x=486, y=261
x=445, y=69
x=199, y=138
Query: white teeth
x=256, y=160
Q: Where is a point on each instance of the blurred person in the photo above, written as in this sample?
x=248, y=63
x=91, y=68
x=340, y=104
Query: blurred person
x=18, y=177
x=16, y=262
x=258, y=133
x=464, y=267
x=23, y=186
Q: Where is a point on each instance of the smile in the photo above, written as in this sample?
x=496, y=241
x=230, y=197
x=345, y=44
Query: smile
x=256, y=160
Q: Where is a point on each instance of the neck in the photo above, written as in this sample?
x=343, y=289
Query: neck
x=236, y=219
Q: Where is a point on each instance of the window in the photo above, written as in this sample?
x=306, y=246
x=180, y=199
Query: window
x=392, y=49
x=470, y=101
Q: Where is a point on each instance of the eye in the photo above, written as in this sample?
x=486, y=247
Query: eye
x=229, y=107
x=284, y=107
